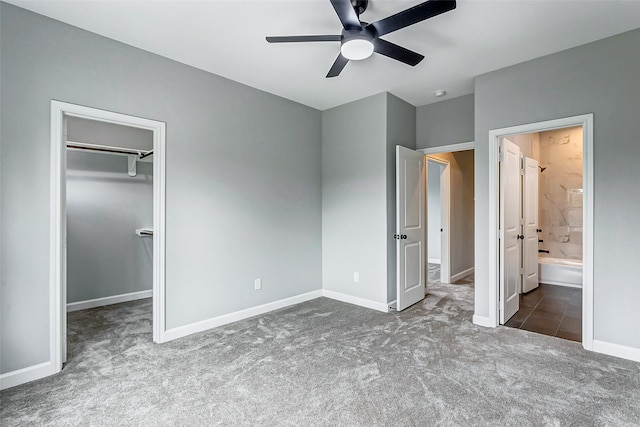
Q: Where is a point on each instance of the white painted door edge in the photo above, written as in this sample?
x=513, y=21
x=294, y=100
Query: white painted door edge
x=60, y=110
x=586, y=122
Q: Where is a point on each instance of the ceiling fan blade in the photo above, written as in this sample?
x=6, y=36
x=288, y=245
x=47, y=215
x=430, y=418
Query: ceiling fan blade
x=396, y=52
x=337, y=66
x=347, y=14
x=413, y=15
x=297, y=39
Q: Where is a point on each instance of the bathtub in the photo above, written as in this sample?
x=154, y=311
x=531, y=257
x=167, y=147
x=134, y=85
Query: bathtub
x=558, y=271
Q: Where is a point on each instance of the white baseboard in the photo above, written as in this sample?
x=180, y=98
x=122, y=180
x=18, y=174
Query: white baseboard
x=116, y=299
x=25, y=375
x=214, y=322
x=483, y=321
x=565, y=284
x=362, y=302
x=462, y=274
x=434, y=261
x=617, y=350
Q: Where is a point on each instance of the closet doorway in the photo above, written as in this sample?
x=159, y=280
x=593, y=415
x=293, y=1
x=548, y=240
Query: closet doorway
x=67, y=124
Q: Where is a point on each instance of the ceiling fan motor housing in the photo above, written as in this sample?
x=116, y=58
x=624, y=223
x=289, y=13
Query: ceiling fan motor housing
x=366, y=32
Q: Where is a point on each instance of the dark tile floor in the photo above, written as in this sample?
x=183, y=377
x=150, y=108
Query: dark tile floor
x=551, y=310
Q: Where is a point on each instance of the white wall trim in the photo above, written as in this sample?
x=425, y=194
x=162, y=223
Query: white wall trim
x=462, y=274
x=25, y=375
x=451, y=148
x=565, y=284
x=617, y=350
x=433, y=261
x=362, y=302
x=586, y=121
x=484, y=321
x=115, y=299
x=57, y=283
x=214, y=322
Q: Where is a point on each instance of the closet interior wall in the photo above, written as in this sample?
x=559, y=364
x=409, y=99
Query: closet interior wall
x=105, y=206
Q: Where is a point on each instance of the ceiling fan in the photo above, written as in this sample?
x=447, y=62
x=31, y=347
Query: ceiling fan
x=360, y=39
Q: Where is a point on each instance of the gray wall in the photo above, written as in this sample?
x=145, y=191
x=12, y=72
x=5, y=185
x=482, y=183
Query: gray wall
x=104, y=207
x=401, y=130
x=461, y=209
x=354, y=199
x=359, y=192
x=599, y=78
x=243, y=177
x=445, y=122
x=434, y=207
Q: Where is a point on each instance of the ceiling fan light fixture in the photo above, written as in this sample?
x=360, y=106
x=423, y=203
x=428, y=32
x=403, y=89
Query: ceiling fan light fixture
x=356, y=48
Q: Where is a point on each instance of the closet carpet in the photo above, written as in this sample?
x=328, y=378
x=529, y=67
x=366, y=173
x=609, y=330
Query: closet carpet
x=327, y=363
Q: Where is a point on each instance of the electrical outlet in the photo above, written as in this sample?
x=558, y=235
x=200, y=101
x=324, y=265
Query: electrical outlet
x=356, y=276
x=258, y=284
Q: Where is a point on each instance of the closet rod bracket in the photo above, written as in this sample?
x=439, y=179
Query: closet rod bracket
x=133, y=162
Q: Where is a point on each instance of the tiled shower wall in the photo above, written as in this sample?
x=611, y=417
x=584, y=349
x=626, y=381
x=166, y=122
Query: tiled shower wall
x=560, y=200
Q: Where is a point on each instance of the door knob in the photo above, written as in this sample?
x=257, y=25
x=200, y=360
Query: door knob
x=520, y=236
x=538, y=230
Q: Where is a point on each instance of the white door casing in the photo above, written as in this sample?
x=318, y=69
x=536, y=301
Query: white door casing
x=410, y=227
x=63, y=249
x=509, y=230
x=492, y=318
x=58, y=237
x=530, y=225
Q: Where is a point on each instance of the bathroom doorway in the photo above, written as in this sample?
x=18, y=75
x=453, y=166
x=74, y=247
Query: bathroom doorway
x=548, y=218
x=553, y=293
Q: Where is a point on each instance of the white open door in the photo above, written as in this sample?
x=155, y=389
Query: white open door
x=410, y=227
x=509, y=230
x=530, y=221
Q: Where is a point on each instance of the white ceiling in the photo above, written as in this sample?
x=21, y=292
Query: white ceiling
x=226, y=37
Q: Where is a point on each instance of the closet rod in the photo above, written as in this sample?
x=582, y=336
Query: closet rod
x=108, y=149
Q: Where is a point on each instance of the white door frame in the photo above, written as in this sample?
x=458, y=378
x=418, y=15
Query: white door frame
x=58, y=280
x=445, y=217
x=451, y=148
x=586, y=122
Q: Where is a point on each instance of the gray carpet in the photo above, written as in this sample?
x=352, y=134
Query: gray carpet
x=328, y=363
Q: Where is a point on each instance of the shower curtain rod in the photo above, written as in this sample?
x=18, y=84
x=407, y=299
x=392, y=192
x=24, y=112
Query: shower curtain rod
x=109, y=149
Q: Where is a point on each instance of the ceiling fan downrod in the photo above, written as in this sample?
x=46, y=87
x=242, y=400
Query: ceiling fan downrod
x=359, y=6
